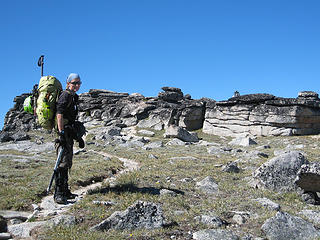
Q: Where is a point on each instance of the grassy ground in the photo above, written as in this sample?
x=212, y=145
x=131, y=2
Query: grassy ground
x=177, y=174
x=22, y=184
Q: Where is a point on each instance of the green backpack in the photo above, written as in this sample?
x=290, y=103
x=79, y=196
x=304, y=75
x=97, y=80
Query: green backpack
x=28, y=105
x=48, y=92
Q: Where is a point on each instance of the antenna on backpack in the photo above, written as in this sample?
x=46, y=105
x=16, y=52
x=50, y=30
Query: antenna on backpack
x=40, y=63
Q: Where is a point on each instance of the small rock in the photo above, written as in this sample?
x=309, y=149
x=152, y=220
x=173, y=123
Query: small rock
x=243, y=141
x=211, y=220
x=268, y=203
x=168, y=192
x=151, y=156
x=214, y=234
x=146, y=133
x=176, y=141
x=231, y=167
x=66, y=220
x=214, y=150
x=208, y=185
x=157, y=144
x=239, y=219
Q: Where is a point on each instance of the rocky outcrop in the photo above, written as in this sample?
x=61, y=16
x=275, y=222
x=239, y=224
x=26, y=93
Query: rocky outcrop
x=16, y=119
x=264, y=115
x=253, y=114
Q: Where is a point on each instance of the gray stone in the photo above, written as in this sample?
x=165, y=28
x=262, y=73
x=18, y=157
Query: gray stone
x=178, y=132
x=5, y=137
x=140, y=215
x=208, y=185
x=268, y=203
x=311, y=215
x=20, y=136
x=28, y=146
x=279, y=173
x=5, y=236
x=211, y=220
x=146, y=133
x=9, y=214
x=214, y=234
x=214, y=150
x=239, y=219
x=23, y=230
x=243, y=141
x=65, y=220
x=176, y=141
x=167, y=192
x=285, y=226
x=157, y=144
x=152, y=156
x=308, y=177
x=231, y=167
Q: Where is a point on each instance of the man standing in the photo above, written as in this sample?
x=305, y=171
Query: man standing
x=67, y=111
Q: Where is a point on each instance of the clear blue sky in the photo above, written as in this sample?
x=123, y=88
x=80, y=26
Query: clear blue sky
x=208, y=48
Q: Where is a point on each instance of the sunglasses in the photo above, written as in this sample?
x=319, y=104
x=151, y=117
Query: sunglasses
x=76, y=83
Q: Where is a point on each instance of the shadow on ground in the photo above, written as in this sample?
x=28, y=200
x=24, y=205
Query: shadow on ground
x=132, y=188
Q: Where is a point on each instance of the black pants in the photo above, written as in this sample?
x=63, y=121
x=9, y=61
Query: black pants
x=61, y=176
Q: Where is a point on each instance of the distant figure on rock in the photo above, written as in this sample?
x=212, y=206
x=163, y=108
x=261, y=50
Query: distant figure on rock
x=236, y=94
x=68, y=130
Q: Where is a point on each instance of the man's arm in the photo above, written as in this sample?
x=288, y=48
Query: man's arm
x=60, y=122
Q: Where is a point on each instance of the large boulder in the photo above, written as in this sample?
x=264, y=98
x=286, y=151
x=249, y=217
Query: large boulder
x=140, y=215
x=279, y=173
x=308, y=177
x=284, y=226
x=178, y=132
x=171, y=94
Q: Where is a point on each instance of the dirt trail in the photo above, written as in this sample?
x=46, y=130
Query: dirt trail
x=48, y=209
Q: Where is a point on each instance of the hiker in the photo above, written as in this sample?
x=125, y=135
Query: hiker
x=68, y=130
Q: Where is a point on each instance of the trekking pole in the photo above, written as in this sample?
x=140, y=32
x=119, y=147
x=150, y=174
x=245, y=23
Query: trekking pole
x=40, y=63
x=55, y=168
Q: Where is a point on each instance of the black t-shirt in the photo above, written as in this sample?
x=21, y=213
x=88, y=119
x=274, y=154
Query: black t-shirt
x=67, y=105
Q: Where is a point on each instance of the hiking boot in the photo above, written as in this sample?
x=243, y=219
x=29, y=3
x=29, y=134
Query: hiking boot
x=60, y=199
x=70, y=195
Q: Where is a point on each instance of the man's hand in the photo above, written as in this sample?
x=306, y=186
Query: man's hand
x=62, y=138
x=81, y=143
